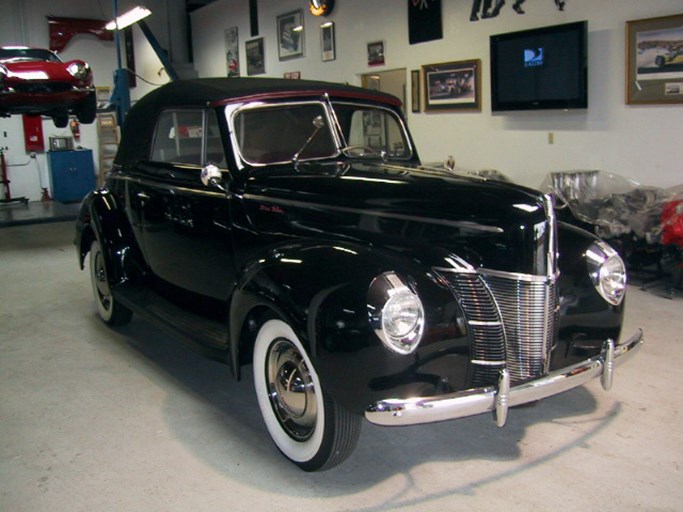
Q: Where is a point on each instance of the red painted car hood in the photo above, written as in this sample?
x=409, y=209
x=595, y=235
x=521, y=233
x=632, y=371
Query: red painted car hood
x=39, y=70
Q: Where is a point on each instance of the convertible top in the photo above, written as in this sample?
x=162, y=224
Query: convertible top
x=138, y=127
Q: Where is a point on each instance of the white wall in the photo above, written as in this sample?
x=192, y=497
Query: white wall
x=24, y=22
x=640, y=142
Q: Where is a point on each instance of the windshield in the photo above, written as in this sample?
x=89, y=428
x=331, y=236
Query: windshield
x=372, y=131
x=15, y=54
x=268, y=134
x=273, y=134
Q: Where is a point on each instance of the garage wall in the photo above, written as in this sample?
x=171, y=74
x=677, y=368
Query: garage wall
x=23, y=22
x=642, y=143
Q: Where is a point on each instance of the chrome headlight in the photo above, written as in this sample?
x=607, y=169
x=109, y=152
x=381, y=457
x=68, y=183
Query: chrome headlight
x=396, y=313
x=78, y=70
x=607, y=272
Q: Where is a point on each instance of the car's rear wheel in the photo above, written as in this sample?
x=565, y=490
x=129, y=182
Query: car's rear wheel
x=87, y=110
x=305, y=423
x=109, y=309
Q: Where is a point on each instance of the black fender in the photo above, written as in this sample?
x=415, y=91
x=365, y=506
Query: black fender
x=102, y=217
x=321, y=290
x=586, y=319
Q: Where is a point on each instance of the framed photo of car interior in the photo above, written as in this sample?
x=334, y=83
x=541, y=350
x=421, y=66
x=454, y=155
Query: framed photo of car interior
x=654, y=60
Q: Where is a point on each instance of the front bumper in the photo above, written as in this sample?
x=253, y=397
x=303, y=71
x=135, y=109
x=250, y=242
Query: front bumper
x=412, y=411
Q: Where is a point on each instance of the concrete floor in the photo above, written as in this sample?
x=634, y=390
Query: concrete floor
x=93, y=419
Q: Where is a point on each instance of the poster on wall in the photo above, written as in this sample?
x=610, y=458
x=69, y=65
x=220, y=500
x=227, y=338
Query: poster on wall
x=453, y=86
x=232, y=54
x=424, y=21
x=654, y=49
x=255, y=57
x=290, y=35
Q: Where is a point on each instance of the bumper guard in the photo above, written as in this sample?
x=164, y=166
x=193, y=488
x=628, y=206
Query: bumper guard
x=498, y=399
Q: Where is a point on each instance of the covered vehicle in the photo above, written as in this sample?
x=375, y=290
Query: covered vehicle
x=290, y=225
x=36, y=81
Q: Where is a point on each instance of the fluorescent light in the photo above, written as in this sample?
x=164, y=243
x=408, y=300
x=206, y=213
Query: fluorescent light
x=128, y=18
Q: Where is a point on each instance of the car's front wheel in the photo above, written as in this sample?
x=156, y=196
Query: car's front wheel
x=109, y=309
x=87, y=111
x=61, y=120
x=306, y=424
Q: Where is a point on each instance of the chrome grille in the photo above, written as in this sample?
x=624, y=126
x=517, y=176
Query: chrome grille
x=512, y=321
x=529, y=311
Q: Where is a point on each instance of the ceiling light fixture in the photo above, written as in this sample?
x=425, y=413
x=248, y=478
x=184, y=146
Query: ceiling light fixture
x=128, y=18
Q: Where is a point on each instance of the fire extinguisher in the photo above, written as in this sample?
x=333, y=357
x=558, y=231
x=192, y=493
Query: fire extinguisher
x=75, y=129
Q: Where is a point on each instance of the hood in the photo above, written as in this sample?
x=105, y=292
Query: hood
x=39, y=70
x=436, y=216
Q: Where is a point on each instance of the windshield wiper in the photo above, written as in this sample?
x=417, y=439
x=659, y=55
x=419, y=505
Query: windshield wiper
x=318, y=123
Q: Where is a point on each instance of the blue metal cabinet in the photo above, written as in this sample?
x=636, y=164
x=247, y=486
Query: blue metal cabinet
x=72, y=174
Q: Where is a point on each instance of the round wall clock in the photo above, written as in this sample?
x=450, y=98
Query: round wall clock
x=321, y=7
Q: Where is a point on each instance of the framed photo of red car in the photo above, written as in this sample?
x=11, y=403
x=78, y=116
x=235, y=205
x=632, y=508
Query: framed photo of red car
x=454, y=86
x=376, y=53
x=654, y=60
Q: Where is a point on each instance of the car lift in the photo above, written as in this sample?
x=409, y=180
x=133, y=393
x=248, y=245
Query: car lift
x=120, y=97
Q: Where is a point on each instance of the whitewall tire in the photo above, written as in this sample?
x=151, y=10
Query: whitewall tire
x=305, y=423
x=110, y=310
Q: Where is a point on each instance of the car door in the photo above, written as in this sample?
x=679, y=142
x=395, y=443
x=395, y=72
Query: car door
x=185, y=225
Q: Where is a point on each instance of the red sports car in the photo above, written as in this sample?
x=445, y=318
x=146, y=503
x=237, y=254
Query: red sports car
x=36, y=81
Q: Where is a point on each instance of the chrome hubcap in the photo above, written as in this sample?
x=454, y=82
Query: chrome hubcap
x=291, y=390
x=100, y=275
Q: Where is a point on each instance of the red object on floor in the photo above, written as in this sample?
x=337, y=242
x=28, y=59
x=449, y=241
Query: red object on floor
x=672, y=223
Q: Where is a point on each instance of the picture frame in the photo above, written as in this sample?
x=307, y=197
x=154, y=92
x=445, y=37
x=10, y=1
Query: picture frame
x=256, y=57
x=290, y=35
x=328, y=50
x=453, y=86
x=232, y=54
x=376, y=53
x=415, y=90
x=292, y=75
x=654, y=60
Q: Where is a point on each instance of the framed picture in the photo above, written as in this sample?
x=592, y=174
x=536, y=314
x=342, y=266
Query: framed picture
x=415, y=90
x=654, y=60
x=255, y=57
x=232, y=54
x=327, y=47
x=376, y=53
x=292, y=75
x=453, y=86
x=290, y=35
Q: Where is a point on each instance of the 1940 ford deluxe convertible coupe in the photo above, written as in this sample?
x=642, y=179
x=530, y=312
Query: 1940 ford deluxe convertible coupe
x=290, y=225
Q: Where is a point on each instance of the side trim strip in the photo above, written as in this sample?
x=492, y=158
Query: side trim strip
x=441, y=222
x=167, y=186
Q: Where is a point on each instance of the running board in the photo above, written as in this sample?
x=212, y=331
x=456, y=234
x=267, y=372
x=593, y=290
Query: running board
x=209, y=336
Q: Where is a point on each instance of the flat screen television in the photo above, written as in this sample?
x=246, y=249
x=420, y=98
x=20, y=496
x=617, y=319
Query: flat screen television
x=542, y=68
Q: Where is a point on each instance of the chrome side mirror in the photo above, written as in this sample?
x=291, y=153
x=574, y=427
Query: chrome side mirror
x=211, y=176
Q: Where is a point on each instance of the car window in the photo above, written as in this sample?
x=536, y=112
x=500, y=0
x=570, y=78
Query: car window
x=375, y=128
x=17, y=54
x=273, y=134
x=178, y=137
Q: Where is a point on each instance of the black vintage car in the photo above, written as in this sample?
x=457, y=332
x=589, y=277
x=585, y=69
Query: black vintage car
x=290, y=225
